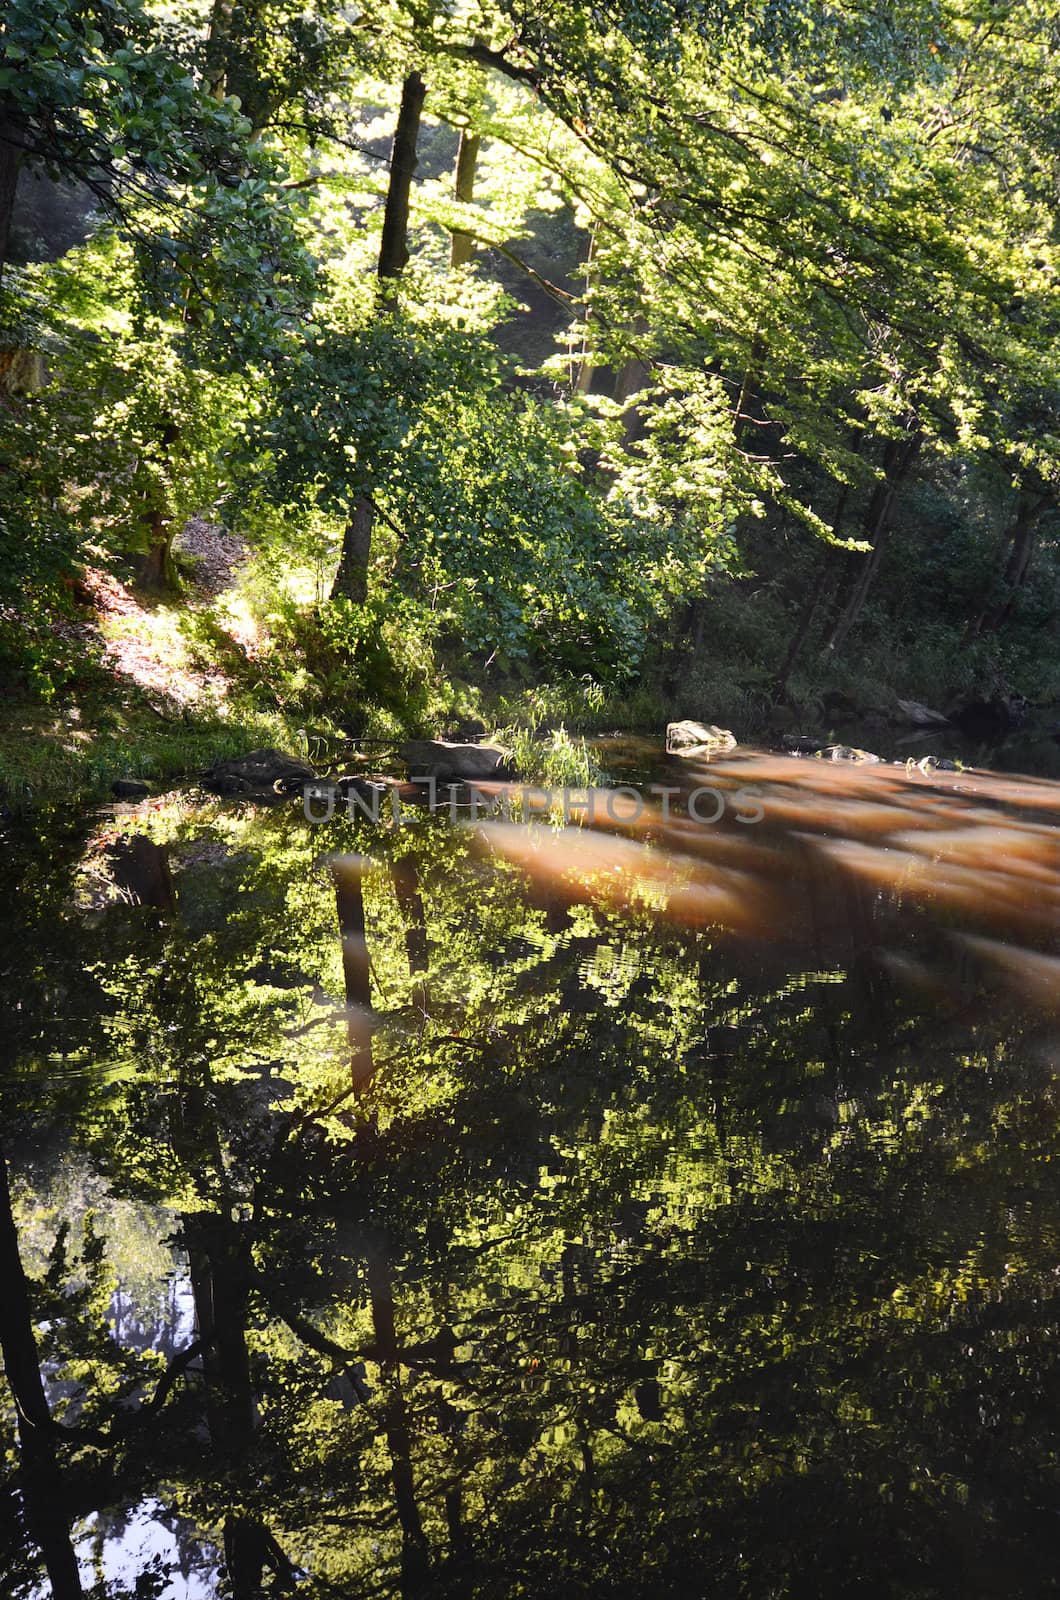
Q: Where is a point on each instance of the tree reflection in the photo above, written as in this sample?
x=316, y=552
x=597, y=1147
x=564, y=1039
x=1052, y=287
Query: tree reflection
x=603, y=1241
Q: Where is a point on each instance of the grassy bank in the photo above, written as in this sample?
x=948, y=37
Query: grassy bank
x=78, y=752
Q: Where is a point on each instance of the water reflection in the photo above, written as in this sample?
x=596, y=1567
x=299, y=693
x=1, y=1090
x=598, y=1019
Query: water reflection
x=633, y=1206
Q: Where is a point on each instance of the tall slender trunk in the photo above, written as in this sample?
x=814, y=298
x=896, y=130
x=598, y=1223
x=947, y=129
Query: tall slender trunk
x=219, y=1261
x=898, y=461
x=154, y=568
x=1018, y=542
x=12, y=138
x=463, y=245
x=21, y=1363
x=40, y=1478
x=351, y=578
x=349, y=904
x=583, y=378
x=393, y=247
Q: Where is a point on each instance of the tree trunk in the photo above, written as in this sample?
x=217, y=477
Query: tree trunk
x=414, y=1550
x=752, y=378
x=154, y=568
x=629, y=379
x=351, y=579
x=393, y=248
x=583, y=378
x=12, y=139
x=217, y=42
x=21, y=1364
x=40, y=1479
x=349, y=904
x=410, y=903
x=219, y=1263
x=463, y=245
x=898, y=461
x=1018, y=539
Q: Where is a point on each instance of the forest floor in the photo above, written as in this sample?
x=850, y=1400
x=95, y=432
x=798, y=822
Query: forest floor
x=145, y=701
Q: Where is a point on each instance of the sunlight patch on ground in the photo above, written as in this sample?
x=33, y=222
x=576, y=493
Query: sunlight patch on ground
x=147, y=646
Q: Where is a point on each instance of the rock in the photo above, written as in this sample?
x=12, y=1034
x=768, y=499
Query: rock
x=129, y=788
x=798, y=744
x=920, y=715
x=846, y=752
x=928, y=764
x=697, y=738
x=213, y=554
x=348, y=783
x=990, y=719
x=259, y=772
x=438, y=758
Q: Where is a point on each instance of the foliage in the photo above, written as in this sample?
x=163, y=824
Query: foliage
x=615, y=1197
x=816, y=289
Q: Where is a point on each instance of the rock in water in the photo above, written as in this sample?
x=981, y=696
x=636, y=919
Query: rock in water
x=438, y=758
x=799, y=744
x=129, y=789
x=259, y=772
x=929, y=764
x=920, y=715
x=847, y=752
x=697, y=739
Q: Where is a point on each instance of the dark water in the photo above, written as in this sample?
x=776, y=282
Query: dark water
x=645, y=1206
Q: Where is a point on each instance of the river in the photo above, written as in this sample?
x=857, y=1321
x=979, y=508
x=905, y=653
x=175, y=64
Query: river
x=651, y=1191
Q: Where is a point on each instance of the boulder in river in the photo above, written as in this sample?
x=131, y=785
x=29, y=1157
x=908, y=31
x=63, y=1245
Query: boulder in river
x=920, y=715
x=847, y=752
x=439, y=758
x=129, y=788
x=800, y=744
x=259, y=772
x=698, y=739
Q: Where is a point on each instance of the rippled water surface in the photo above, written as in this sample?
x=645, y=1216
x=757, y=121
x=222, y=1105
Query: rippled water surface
x=629, y=1204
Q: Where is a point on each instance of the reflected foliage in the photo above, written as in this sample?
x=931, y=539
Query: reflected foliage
x=631, y=1207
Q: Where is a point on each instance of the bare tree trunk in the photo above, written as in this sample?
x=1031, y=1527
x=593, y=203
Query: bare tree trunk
x=349, y=904
x=393, y=248
x=463, y=245
x=351, y=579
x=40, y=1479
